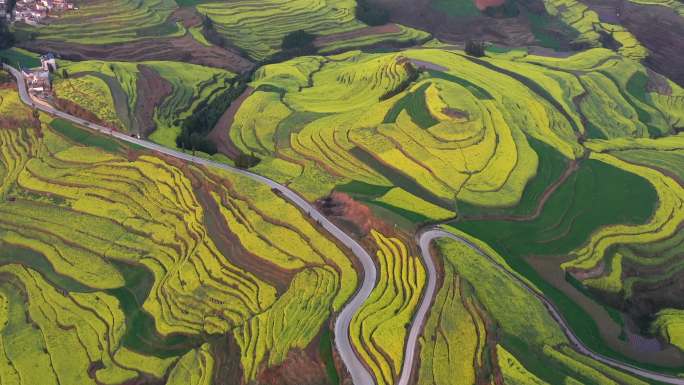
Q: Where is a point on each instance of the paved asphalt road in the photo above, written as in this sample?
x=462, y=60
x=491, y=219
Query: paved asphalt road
x=430, y=235
x=359, y=373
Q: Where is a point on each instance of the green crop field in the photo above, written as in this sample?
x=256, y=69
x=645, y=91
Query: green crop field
x=531, y=348
x=107, y=21
x=258, y=27
x=188, y=234
x=379, y=328
x=546, y=137
x=117, y=85
x=439, y=125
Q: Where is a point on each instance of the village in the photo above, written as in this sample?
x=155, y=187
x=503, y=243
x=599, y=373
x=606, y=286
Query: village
x=38, y=80
x=32, y=12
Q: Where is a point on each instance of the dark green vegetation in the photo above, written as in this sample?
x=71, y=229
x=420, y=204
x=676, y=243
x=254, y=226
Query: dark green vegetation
x=6, y=36
x=371, y=13
x=84, y=137
x=196, y=278
x=591, y=198
x=20, y=58
x=552, y=167
x=475, y=48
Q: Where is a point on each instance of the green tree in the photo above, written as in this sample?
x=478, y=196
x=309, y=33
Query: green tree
x=475, y=48
x=299, y=40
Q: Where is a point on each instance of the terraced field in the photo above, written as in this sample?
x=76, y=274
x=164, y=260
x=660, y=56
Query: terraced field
x=152, y=98
x=441, y=126
x=258, y=27
x=107, y=21
x=478, y=332
x=591, y=31
x=119, y=266
x=560, y=176
x=378, y=330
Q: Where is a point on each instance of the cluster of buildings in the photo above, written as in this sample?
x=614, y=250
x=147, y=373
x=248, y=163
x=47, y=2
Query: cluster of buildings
x=33, y=11
x=38, y=81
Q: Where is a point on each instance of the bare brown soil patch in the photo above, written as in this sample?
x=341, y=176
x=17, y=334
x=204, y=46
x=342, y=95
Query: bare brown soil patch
x=227, y=368
x=356, y=216
x=220, y=134
x=300, y=368
x=456, y=114
x=484, y=4
x=367, y=31
x=658, y=28
x=549, y=269
x=184, y=49
x=152, y=91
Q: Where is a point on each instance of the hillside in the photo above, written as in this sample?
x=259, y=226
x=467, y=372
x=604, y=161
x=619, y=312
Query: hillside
x=348, y=192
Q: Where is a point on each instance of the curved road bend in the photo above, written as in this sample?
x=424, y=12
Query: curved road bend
x=359, y=373
x=430, y=235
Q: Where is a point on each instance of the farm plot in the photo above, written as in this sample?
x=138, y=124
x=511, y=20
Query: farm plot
x=442, y=126
x=111, y=21
x=589, y=28
x=92, y=94
x=176, y=253
x=179, y=90
x=258, y=27
x=491, y=335
x=379, y=328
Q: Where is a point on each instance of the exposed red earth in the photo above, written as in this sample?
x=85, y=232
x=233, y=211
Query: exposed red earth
x=153, y=89
x=484, y=4
x=220, y=134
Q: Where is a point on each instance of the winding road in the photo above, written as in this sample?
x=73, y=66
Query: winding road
x=359, y=372
x=430, y=235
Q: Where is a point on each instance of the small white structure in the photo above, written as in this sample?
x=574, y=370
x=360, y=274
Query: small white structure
x=38, y=82
x=48, y=63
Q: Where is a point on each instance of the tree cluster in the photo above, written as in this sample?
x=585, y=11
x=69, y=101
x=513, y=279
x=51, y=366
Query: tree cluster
x=245, y=161
x=210, y=33
x=371, y=14
x=195, y=128
x=475, y=48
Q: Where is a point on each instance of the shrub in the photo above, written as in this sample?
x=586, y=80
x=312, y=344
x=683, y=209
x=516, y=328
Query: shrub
x=475, y=48
x=300, y=40
x=211, y=34
x=245, y=161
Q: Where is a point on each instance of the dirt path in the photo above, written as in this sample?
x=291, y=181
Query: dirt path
x=220, y=134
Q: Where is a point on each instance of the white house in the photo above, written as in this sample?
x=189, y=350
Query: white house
x=48, y=63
